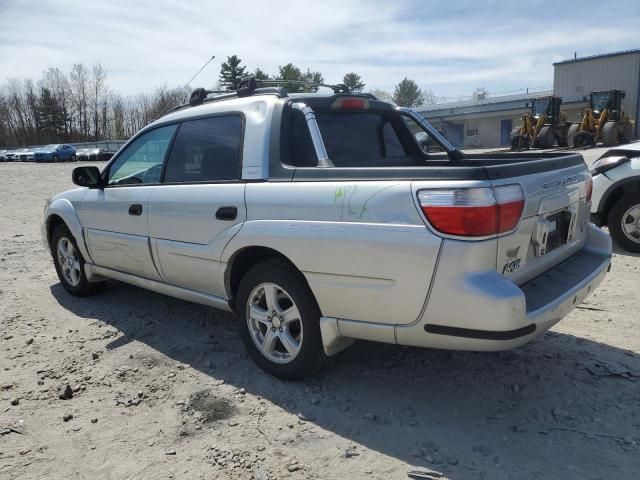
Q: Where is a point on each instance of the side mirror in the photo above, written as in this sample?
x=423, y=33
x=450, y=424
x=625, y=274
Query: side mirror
x=87, y=177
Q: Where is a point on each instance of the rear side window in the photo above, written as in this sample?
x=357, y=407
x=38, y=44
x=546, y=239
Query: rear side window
x=352, y=139
x=206, y=150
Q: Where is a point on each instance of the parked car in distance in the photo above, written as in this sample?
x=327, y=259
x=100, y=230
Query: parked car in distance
x=616, y=194
x=23, y=155
x=3, y=155
x=55, y=153
x=319, y=219
x=82, y=154
x=10, y=156
x=99, y=155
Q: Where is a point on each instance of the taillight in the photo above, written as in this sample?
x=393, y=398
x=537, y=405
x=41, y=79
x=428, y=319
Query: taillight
x=351, y=103
x=473, y=212
x=589, y=188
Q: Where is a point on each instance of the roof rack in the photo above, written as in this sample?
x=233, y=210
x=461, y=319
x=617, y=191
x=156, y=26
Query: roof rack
x=339, y=88
x=249, y=86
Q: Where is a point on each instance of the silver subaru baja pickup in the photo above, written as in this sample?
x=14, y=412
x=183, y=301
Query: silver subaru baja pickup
x=319, y=219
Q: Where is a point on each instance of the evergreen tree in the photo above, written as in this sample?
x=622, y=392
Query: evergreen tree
x=290, y=72
x=50, y=117
x=408, y=94
x=231, y=72
x=354, y=82
x=260, y=74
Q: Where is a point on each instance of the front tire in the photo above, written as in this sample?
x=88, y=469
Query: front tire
x=69, y=263
x=624, y=222
x=279, y=320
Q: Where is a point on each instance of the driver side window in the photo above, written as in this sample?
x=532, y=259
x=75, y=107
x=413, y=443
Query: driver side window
x=141, y=162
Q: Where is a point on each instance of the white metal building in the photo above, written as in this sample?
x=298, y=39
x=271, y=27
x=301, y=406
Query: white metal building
x=481, y=123
x=488, y=122
x=576, y=78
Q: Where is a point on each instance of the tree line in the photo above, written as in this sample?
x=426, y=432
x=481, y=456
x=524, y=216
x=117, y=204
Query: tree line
x=79, y=106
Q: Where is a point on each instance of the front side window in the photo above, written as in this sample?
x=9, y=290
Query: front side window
x=206, y=150
x=141, y=161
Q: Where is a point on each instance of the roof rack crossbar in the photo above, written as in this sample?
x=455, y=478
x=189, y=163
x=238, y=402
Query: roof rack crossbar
x=339, y=88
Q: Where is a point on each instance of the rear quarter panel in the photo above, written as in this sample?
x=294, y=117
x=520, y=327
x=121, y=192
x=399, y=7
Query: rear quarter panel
x=362, y=246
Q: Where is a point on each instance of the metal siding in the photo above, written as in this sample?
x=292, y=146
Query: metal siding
x=574, y=80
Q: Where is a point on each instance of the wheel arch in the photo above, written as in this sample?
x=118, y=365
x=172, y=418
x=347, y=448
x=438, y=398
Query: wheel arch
x=61, y=212
x=614, y=193
x=242, y=260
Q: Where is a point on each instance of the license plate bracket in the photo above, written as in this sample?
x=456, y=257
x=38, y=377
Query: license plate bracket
x=554, y=231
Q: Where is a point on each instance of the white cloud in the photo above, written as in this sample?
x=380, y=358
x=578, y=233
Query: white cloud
x=144, y=44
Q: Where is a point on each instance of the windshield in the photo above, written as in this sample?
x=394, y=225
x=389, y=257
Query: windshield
x=600, y=101
x=541, y=105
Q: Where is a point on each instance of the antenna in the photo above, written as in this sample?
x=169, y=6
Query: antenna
x=198, y=72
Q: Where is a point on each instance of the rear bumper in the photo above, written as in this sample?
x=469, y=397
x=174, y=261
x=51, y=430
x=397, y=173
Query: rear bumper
x=488, y=312
x=523, y=312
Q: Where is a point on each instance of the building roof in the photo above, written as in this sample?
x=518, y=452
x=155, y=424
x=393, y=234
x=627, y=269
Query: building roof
x=490, y=104
x=595, y=57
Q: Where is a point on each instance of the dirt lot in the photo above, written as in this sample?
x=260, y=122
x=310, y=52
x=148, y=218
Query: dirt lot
x=161, y=388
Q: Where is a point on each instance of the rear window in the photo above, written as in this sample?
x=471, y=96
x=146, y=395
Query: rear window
x=352, y=139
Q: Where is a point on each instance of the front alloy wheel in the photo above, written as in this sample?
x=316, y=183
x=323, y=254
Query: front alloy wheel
x=69, y=263
x=68, y=260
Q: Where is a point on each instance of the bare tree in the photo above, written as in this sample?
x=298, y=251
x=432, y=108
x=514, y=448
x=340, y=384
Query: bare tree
x=79, y=80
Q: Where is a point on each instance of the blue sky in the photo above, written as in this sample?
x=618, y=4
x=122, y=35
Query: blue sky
x=448, y=47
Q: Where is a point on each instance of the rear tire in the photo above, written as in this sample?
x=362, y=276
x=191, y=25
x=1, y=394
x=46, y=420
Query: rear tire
x=624, y=222
x=584, y=139
x=285, y=345
x=546, y=137
x=69, y=263
x=609, y=134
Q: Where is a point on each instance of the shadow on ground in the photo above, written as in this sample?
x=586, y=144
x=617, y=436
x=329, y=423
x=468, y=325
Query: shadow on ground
x=569, y=402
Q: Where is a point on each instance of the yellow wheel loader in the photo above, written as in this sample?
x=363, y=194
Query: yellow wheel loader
x=603, y=121
x=541, y=127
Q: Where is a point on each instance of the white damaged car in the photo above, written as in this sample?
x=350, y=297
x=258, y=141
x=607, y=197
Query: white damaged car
x=616, y=194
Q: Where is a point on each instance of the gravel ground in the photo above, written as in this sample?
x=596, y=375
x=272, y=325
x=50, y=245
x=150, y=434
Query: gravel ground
x=159, y=388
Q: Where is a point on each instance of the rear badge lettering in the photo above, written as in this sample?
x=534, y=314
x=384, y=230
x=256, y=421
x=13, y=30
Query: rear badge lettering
x=511, y=266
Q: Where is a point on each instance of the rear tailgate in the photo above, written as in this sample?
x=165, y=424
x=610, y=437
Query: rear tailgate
x=554, y=220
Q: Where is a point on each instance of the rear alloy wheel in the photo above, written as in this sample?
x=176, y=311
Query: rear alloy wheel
x=624, y=222
x=274, y=323
x=55, y=159
x=279, y=320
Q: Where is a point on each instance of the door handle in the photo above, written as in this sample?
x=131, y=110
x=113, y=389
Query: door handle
x=135, y=209
x=227, y=213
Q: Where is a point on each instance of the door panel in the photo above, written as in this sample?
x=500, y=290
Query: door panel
x=119, y=251
x=187, y=236
x=116, y=238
